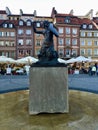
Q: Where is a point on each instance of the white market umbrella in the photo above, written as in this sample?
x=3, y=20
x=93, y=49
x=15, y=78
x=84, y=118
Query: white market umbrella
x=82, y=59
x=27, y=60
x=61, y=60
x=72, y=60
x=11, y=60
x=79, y=59
x=4, y=59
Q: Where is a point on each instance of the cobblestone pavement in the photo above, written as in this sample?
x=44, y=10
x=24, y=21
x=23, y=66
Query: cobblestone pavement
x=82, y=82
x=9, y=83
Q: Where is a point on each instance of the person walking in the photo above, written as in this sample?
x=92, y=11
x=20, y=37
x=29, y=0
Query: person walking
x=93, y=70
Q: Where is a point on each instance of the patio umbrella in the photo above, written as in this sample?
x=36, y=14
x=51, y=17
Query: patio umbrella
x=79, y=59
x=61, y=60
x=27, y=60
x=82, y=59
x=72, y=60
x=4, y=59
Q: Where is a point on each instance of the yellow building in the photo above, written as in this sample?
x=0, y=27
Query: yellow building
x=88, y=39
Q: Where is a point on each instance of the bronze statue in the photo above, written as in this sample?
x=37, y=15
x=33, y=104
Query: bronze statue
x=47, y=54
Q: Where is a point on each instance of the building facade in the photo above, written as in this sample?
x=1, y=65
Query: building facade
x=8, y=34
x=88, y=38
x=77, y=35
x=68, y=41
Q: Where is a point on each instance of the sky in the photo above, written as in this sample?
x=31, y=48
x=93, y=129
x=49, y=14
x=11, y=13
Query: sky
x=44, y=7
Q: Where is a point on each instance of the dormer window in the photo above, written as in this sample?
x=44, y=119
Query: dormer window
x=21, y=23
x=84, y=26
x=90, y=26
x=37, y=24
x=28, y=23
x=67, y=20
x=5, y=25
x=10, y=25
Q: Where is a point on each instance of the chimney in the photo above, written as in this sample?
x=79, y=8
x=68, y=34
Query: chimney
x=71, y=12
x=90, y=14
x=35, y=13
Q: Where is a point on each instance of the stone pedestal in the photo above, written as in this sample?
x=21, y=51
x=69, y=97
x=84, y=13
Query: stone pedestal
x=48, y=90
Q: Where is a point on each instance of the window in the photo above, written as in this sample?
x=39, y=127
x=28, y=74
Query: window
x=37, y=51
x=90, y=26
x=21, y=23
x=89, y=34
x=20, y=52
x=7, y=34
x=3, y=33
x=38, y=42
x=95, y=34
x=5, y=25
x=28, y=32
x=11, y=18
x=0, y=34
x=82, y=51
x=96, y=43
x=7, y=43
x=20, y=42
x=12, y=54
x=82, y=42
x=67, y=30
x=60, y=30
x=2, y=53
x=74, y=31
x=61, y=52
x=89, y=52
x=67, y=41
x=67, y=52
x=96, y=52
x=28, y=23
x=67, y=20
x=1, y=16
x=12, y=34
x=28, y=42
x=12, y=43
x=7, y=54
x=74, y=41
x=20, y=31
x=28, y=52
x=10, y=25
x=38, y=24
x=89, y=43
x=74, y=52
x=82, y=34
x=84, y=26
x=1, y=43
x=61, y=41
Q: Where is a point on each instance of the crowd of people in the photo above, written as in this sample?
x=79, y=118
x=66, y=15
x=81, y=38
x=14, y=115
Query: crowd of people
x=93, y=70
x=81, y=68
x=14, y=70
x=75, y=68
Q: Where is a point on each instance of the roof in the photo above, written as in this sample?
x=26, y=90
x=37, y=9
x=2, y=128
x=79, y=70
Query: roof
x=62, y=15
x=27, y=15
x=15, y=22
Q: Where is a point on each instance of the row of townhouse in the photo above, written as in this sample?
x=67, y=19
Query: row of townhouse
x=77, y=35
x=17, y=38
